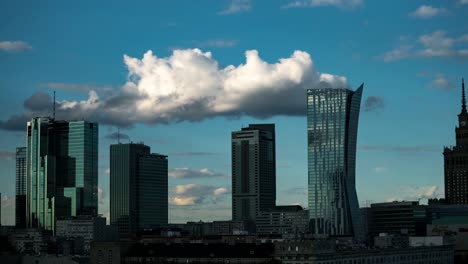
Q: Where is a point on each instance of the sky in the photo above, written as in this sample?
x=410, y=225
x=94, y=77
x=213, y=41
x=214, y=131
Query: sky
x=180, y=76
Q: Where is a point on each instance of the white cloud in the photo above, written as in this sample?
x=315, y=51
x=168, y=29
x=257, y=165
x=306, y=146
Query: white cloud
x=186, y=173
x=107, y=171
x=14, y=46
x=347, y=4
x=426, y=11
x=463, y=2
x=190, y=85
x=195, y=194
x=237, y=6
x=414, y=193
x=435, y=44
x=441, y=82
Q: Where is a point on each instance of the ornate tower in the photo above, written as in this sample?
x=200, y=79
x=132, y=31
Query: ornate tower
x=456, y=160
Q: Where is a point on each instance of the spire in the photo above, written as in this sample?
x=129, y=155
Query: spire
x=463, y=97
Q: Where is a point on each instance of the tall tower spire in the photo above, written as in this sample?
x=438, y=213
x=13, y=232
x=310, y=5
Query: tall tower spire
x=463, y=97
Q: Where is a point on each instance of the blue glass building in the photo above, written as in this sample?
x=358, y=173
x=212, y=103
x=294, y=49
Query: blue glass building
x=138, y=188
x=62, y=170
x=332, y=125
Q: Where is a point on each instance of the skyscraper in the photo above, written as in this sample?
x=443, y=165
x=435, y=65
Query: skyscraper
x=21, y=179
x=138, y=188
x=456, y=160
x=332, y=125
x=62, y=162
x=253, y=171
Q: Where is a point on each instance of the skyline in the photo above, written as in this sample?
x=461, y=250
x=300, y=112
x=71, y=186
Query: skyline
x=412, y=78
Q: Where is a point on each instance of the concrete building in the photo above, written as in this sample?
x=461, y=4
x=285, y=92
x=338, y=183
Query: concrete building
x=332, y=125
x=253, y=171
x=138, y=188
x=456, y=160
x=88, y=228
x=324, y=252
x=291, y=219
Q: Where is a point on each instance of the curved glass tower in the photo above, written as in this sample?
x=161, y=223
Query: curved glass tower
x=332, y=125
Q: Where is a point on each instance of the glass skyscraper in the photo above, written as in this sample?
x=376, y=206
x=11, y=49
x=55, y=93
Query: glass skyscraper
x=62, y=166
x=138, y=188
x=332, y=125
x=253, y=171
x=21, y=179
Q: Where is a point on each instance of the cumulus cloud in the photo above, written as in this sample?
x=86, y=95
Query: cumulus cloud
x=186, y=173
x=107, y=171
x=434, y=45
x=373, y=104
x=347, y=4
x=463, y=2
x=190, y=85
x=14, y=46
x=413, y=193
x=101, y=196
x=441, y=82
x=77, y=87
x=237, y=6
x=427, y=11
x=194, y=194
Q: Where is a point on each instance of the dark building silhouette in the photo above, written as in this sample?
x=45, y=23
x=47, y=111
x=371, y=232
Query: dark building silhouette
x=456, y=160
x=332, y=126
x=21, y=179
x=138, y=188
x=253, y=171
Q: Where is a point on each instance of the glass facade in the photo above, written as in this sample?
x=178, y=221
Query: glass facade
x=138, y=188
x=20, y=202
x=332, y=124
x=62, y=171
x=253, y=171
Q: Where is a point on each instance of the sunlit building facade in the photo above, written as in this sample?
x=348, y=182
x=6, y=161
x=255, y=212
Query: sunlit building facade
x=332, y=125
x=62, y=163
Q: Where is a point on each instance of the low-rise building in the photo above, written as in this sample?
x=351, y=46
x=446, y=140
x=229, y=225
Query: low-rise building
x=88, y=228
x=289, y=219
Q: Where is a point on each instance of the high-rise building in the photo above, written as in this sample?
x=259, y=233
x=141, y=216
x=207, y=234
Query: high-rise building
x=21, y=179
x=456, y=160
x=253, y=171
x=62, y=163
x=332, y=125
x=138, y=188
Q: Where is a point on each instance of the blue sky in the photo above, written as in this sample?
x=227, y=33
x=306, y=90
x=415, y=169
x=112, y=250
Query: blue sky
x=216, y=66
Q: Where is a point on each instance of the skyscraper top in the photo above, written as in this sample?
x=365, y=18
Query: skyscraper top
x=463, y=98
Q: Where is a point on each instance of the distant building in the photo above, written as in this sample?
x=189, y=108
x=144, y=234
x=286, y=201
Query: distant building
x=88, y=228
x=291, y=219
x=62, y=163
x=138, y=188
x=332, y=126
x=253, y=171
x=456, y=160
x=21, y=180
x=397, y=218
x=324, y=252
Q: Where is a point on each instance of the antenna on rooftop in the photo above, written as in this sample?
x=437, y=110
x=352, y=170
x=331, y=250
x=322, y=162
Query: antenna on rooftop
x=53, y=108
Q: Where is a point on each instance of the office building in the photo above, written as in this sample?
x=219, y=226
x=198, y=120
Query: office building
x=332, y=125
x=20, y=202
x=86, y=227
x=62, y=162
x=253, y=171
x=287, y=219
x=396, y=218
x=138, y=188
x=456, y=161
